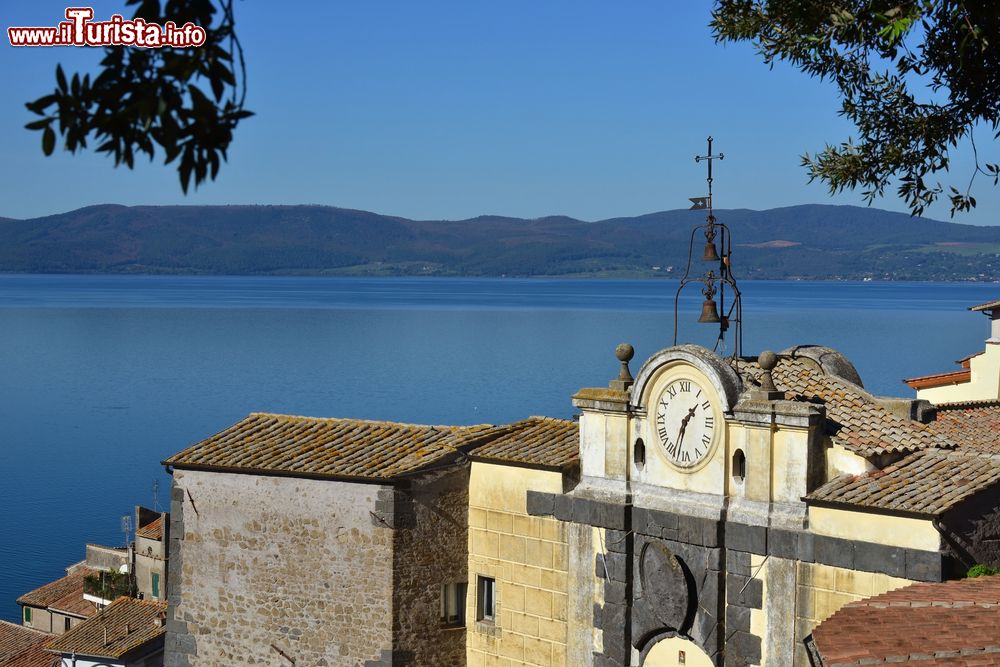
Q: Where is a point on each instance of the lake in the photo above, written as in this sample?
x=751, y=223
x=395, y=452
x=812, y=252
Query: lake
x=102, y=377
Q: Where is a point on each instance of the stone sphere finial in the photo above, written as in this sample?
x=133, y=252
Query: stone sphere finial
x=624, y=352
x=767, y=361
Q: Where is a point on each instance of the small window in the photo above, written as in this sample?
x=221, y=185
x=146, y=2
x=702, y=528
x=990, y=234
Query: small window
x=66, y=624
x=27, y=614
x=486, y=599
x=739, y=466
x=155, y=584
x=453, y=603
x=639, y=453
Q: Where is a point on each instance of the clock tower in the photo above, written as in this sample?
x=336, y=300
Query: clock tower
x=702, y=456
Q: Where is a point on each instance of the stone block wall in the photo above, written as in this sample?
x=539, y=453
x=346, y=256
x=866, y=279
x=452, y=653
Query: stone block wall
x=430, y=549
x=528, y=558
x=267, y=570
x=823, y=589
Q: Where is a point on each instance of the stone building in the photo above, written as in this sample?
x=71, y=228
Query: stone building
x=712, y=511
x=322, y=542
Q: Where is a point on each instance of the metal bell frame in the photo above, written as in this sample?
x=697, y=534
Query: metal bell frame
x=712, y=311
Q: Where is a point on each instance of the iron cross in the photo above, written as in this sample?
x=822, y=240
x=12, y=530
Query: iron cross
x=709, y=157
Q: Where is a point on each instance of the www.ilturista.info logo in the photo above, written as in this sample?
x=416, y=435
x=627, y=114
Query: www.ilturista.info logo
x=80, y=30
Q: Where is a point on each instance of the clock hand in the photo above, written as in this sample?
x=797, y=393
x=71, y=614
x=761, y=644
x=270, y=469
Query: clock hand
x=684, y=423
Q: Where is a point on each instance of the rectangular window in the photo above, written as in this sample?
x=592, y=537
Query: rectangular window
x=486, y=590
x=27, y=614
x=156, y=585
x=453, y=603
x=66, y=625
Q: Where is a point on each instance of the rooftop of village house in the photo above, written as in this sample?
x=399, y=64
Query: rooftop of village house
x=64, y=595
x=17, y=641
x=121, y=627
x=953, y=623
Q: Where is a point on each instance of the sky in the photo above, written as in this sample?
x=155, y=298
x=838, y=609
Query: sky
x=449, y=109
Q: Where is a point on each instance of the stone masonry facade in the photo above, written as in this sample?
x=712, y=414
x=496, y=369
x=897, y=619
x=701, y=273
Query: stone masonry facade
x=430, y=518
x=277, y=570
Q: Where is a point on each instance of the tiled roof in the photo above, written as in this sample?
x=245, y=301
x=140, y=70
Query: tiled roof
x=127, y=622
x=152, y=530
x=928, y=482
x=17, y=638
x=989, y=305
x=950, y=623
x=974, y=425
x=540, y=441
x=65, y=594
x=939, y=379
x=854, y=419
x=333, y=448
x=33, y=656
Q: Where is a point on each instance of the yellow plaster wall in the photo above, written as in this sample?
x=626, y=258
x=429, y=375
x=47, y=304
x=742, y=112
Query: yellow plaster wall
x=528, y=557
x=984, y=384
x=822, y=590
x=840, y=461
x=894, y=531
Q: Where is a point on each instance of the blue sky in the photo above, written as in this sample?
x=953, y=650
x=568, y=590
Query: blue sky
x=451, y=109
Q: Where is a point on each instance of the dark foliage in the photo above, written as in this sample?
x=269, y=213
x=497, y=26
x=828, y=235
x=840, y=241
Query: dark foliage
x=915, y=77
x=143, y=98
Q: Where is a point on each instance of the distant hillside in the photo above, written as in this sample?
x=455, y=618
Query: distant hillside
x=812, y=241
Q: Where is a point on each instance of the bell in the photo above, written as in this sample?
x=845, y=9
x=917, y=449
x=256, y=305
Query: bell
x=709, y=312
x=710, y=254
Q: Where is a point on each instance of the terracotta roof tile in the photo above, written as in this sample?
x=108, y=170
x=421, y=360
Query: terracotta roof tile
x=928, y=482
x=33, y=656
x=541, y=441
x=129, y=624
x=336, y=448
x=152, y=530
x=854, y=419
x=974, y=425
x=951, y=623
x=65, y=594
x=16, y=638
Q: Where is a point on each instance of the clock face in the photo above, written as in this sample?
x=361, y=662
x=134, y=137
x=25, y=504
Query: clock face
x=685, y=422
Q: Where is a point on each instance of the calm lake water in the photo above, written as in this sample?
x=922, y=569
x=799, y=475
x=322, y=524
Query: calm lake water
x=102, y=377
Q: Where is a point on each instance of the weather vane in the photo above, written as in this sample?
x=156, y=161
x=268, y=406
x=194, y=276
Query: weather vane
x=712, y=283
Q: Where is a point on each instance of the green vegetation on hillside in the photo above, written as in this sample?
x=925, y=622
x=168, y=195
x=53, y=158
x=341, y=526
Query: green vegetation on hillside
x=808, y=242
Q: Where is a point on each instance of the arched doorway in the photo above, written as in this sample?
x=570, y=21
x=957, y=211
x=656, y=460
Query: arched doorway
x=676, y=652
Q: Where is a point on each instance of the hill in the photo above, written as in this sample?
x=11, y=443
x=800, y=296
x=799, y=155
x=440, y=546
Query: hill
x=810, y=241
